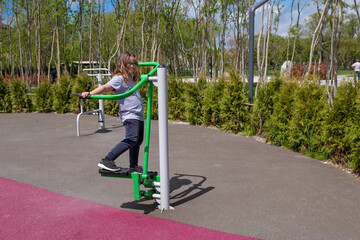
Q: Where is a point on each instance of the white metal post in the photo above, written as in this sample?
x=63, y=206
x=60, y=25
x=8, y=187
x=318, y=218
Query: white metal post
x=99, y=111
x=101, y=104
x=163, y=139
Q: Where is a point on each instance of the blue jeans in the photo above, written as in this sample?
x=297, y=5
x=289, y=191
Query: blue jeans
x=358, y=73
x=134, y=136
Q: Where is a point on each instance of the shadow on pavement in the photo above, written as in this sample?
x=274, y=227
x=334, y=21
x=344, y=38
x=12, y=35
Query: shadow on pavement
x=192, y=192
x=101, y=131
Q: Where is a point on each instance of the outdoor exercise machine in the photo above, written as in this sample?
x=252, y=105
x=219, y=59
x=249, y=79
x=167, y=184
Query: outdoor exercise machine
x=100, y=73
x=156, y=187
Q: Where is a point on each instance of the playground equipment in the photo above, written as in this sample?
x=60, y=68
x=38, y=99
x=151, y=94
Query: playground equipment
x=100, y=111
x=158, y=187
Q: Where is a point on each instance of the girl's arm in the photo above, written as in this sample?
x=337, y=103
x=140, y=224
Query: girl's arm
x=100, y=90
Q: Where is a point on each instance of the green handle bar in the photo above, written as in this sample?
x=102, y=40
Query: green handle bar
x=143, y=79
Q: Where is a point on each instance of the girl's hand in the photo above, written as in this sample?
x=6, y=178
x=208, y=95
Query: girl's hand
x=85, y=94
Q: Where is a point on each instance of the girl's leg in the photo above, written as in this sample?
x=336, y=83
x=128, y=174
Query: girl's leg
x=134, y=151
x=131, y=138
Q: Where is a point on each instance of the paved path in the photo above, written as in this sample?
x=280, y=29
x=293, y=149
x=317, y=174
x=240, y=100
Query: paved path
x=219, y=181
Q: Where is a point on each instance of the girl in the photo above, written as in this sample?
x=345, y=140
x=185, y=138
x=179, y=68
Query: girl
x=125, y=76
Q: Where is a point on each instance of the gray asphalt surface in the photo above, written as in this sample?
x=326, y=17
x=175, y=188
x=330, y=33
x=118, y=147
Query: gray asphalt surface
x=219, y=181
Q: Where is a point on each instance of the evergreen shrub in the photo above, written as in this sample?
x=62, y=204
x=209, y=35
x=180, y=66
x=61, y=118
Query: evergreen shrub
x=5, y=102
x=144, y=90
x=62, y=94
x=234, y=115
x=263, y=105
x=43, y=98
x=211, y=107
x=277, y=127
x=194, y=95
x=307, y=122
x=341, y=131
x=83, y=83
x=176, y=106
x=20, y=100
x=111, y=107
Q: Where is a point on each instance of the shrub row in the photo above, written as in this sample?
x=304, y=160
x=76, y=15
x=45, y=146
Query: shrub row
x=298, y=117
x=287, y=113
x=15, y=97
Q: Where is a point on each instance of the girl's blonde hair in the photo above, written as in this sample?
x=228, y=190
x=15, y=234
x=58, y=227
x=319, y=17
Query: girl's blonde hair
x=123, y=64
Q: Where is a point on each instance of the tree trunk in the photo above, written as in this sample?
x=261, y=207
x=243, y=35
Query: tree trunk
x=357, y=10
x=38, y=42
x=19, y=30
x=268, y=31
x=337, y=23
x=28, y=52
x=316, y=32
x=51, y=54
x=289, y=34
x=143, y=32
x=101, y=25
x=155, y=31
x=90, y=34
x=64, y=39
x=80, y=35
x=224, y=17
x=10, y=45
x=259, y=70
x=119, y=36
x=1, y=64
x=297, y=32
x=58, y=62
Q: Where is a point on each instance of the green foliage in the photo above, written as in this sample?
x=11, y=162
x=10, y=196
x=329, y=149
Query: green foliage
x=194, y=95
x=144, y=90
x=342, y=124
x=43, y=97
x=5, y=102
x=20, y=100
x=176, y=105
x=233, y=113
x=83, y=83
x=264, y=104
x=111, y=107
x=62, y=94
x=277, y=127
x=305, y=127
x=211, y=108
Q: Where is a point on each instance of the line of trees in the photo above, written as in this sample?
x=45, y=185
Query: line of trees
x=192, y=37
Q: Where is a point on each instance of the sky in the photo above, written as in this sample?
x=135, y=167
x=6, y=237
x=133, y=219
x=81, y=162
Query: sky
x=306, y=8
x=309, y=9
x=285, y=17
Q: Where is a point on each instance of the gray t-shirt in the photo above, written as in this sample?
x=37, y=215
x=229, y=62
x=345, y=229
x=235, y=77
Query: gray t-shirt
x=132, y=106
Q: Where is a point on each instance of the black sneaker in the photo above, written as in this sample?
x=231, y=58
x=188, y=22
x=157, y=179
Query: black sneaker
x=136, y=169
x=108, y=165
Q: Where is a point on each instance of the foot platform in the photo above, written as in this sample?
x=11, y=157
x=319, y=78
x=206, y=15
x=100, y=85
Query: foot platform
x=150, y=180
x=123, y=172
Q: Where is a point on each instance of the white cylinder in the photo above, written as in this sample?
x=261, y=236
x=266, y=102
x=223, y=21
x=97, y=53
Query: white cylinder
x=155, y=196
x=155, y=184
x=163, y=138
x=101, y=105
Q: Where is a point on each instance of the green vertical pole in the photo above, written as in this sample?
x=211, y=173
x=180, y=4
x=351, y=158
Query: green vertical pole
x=136, y=183
x=147, y=133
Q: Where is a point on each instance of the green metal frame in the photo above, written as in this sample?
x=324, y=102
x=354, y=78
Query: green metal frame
x=143, y=178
